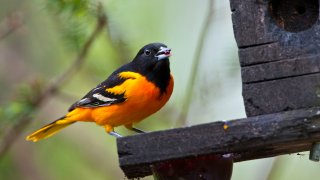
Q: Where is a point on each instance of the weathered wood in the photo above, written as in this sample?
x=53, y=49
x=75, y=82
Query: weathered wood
x=251, y=138
x=267, y=53
x=294, y=15
x=282, y=94
x=213, y=167
x=277, y=40
x=255, y=23
x=279, y=51
x=250, y=23
x=281, y=69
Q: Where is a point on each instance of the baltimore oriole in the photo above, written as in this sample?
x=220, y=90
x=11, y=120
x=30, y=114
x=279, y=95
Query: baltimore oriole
x=131, y=93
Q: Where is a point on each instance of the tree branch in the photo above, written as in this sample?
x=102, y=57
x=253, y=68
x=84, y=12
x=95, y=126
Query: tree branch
x=25, y=118
x=10, y=24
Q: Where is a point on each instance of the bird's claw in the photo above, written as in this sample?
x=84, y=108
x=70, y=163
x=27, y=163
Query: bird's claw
x=112, y=133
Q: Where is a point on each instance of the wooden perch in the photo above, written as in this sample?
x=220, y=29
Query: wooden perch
x=249, y=138
x=279, y=51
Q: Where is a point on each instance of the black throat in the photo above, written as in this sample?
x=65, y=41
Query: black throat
x=159, y=74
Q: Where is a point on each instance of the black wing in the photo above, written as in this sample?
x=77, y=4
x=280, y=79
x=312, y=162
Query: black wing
x=98, y=96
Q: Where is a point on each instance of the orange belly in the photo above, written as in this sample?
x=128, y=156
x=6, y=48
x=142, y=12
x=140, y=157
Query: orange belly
x=142, y=99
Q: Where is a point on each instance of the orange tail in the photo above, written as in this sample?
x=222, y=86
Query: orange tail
x=49, y=129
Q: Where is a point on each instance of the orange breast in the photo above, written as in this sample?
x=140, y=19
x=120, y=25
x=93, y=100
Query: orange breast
x=143, y=99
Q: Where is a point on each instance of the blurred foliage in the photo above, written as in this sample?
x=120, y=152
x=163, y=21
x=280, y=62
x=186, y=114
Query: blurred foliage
x=61, y=160
x=35, y=97
x=8, y=166
x=73, y=17
x=51, y=36
x=12, y=112
x=22, y=105
x=48, y=29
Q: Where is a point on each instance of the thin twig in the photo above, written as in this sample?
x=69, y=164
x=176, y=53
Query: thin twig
x=182, y=118
x=10, y=24
x=77, y=63
x=26, y=118
x=117, y=47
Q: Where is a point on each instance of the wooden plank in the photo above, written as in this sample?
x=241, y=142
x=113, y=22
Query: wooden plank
x=250, y=138
x=280, y=69
x=260, y=39
x=282, y=94
x=277, y=40
x=294, y=15
x=250, y=23
x=267, y=53
x=206, y=167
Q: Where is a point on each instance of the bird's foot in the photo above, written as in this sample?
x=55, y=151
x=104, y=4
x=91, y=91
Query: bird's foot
x=112, y=133
x=137, y=130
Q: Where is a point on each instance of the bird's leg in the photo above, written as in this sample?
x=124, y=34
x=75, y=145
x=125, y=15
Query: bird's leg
x=109, y=129
x=112, y=133
x=137, y=130
x=134, y=129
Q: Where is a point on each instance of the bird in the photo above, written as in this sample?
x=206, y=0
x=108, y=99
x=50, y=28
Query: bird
x=131, y=93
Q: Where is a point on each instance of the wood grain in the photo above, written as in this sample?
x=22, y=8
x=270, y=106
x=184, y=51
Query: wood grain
x=249, y=138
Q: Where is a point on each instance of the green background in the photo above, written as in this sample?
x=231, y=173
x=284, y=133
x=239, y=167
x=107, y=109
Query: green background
x=48, y=41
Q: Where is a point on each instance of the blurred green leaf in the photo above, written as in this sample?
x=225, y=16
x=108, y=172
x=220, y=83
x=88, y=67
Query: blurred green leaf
x=20, y=106
x=73, y=17
x=7, y=167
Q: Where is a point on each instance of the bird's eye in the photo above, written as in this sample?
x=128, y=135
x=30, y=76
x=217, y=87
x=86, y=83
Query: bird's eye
x=147, y=52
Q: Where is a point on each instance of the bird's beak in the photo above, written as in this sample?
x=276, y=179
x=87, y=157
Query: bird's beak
x=163, y=53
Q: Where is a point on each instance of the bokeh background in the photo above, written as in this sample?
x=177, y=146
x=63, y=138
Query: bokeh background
x=39, y=40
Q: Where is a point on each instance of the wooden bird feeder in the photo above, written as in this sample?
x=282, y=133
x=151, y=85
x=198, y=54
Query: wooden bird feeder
x=279, y=52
